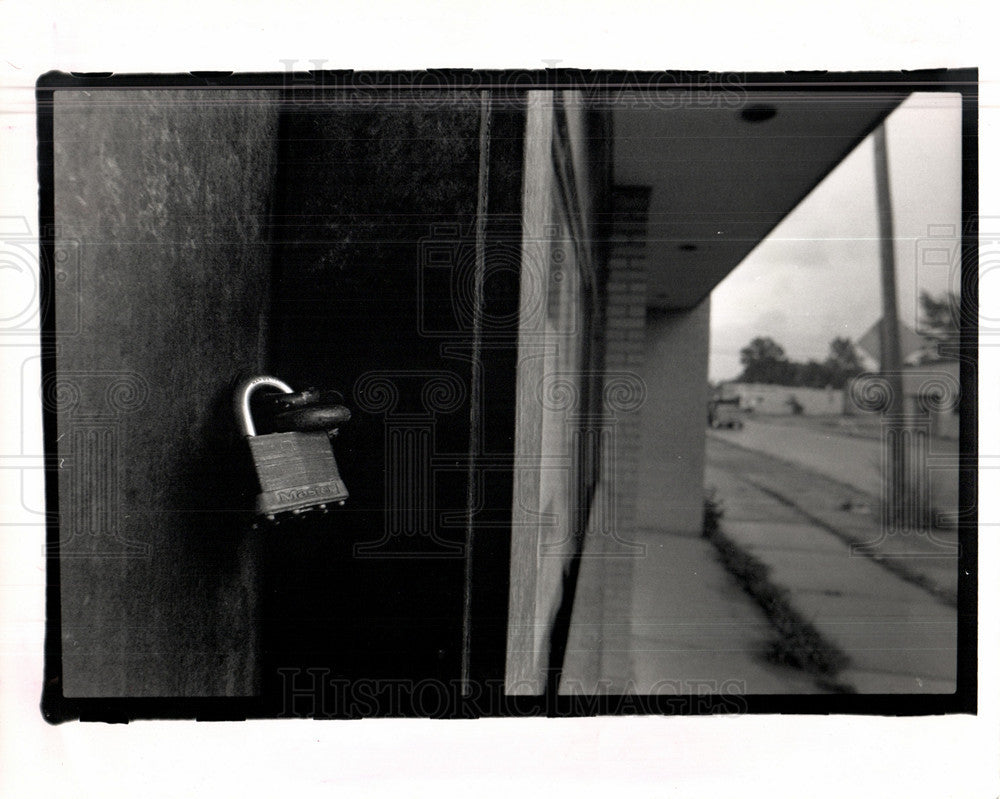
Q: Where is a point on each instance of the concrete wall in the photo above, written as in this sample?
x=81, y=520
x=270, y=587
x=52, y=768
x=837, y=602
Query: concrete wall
x=162, y=291
x=774, y=400
x=672, y=441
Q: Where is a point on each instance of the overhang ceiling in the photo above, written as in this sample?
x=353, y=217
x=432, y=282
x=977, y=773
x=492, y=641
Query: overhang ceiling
x=719, y=184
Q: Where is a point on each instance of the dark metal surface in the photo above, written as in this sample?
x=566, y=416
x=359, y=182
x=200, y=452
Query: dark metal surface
x=312, y=417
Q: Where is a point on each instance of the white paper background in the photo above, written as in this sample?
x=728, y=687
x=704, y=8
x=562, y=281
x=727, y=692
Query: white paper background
x=708, y=756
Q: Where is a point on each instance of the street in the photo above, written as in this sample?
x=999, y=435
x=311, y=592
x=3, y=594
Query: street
x=856, y=461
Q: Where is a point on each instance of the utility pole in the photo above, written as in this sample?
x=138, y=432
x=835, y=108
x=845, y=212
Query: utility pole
x=895, y=483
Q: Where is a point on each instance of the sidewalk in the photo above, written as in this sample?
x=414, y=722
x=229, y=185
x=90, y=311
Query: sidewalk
x=928, y=557
x=669, y=619
x=683, y=627
x=692, y=622
x=900, y=636
x=673, y=620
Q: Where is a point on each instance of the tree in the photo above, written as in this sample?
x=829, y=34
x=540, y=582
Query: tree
x=812, y=374
x=842, y=363
x=762, y=349
x=843, y=355
x=764, y=361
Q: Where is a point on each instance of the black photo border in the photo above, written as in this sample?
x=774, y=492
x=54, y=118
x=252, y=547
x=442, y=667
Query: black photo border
x=489, y=699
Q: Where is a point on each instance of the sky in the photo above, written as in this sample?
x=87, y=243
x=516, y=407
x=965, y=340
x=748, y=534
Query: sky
x=816, y=276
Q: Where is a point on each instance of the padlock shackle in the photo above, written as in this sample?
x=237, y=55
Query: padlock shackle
x=242, y=400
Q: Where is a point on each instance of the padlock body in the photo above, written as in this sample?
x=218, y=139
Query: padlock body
x=296, y=471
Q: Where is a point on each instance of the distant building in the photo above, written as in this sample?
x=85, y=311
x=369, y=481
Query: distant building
x=775, y=400
x=930, y=392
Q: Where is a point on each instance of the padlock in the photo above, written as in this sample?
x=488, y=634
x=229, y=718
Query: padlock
x=297, y=471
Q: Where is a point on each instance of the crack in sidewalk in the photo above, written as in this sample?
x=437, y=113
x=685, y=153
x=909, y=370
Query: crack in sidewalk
x=799, y=643
x=888, y=563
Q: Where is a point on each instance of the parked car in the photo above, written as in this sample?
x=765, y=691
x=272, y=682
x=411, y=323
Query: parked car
x=725, y=413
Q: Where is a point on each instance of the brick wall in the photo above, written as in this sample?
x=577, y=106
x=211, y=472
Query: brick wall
x=625, y=343
x=598, y=659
